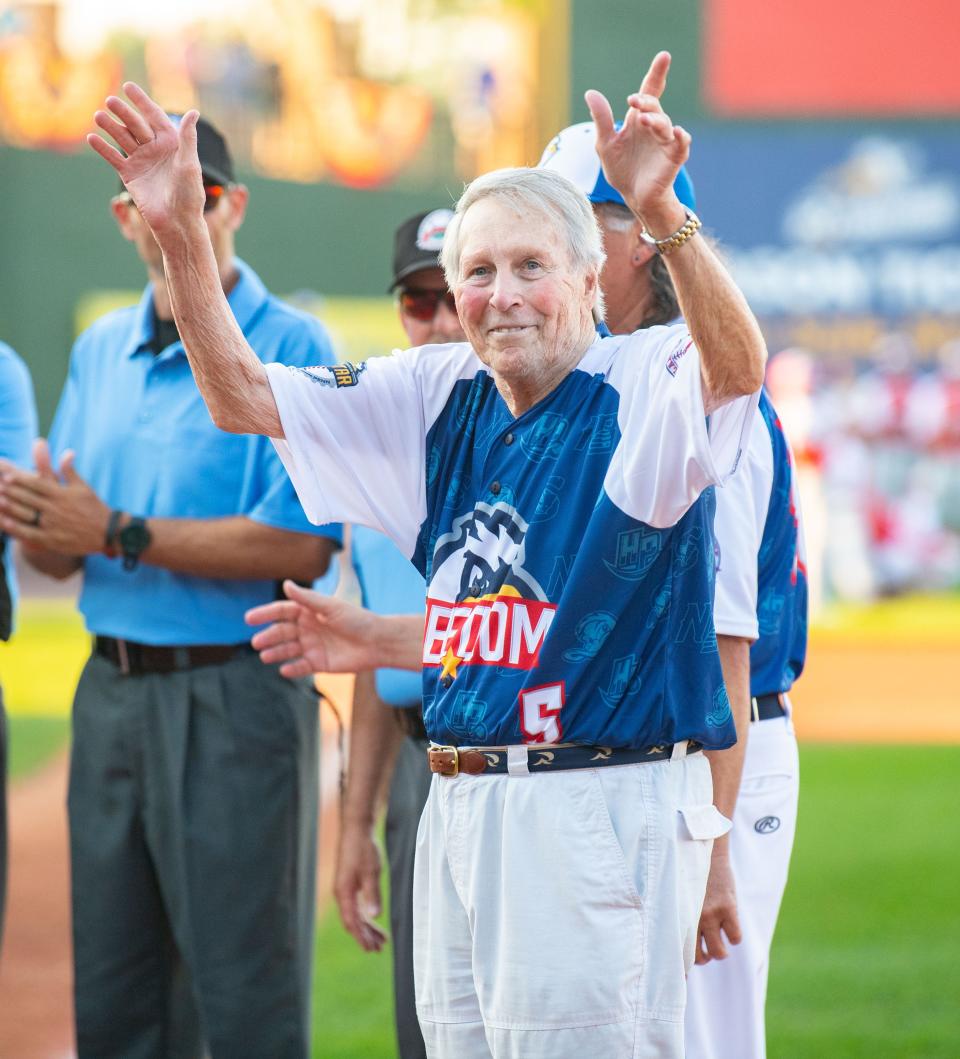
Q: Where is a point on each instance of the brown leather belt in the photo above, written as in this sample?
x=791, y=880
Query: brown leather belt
x=452, y=760
x=136, y=659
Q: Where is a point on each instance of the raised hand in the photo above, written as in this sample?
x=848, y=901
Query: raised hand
x=642, y=158
x=315, y=634
x=157, y=160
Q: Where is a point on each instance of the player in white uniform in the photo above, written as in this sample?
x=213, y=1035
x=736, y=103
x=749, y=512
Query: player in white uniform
x=761, y=596
x=549, y=484
x=759, y=543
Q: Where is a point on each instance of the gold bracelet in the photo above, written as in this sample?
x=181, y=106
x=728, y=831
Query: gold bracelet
x=690, y=227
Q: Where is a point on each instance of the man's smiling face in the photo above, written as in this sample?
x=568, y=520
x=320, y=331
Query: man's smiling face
x=522, y=302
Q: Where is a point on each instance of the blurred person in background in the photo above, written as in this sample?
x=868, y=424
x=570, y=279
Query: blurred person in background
x=18, y=428
x=194, y=769
x=387, y=717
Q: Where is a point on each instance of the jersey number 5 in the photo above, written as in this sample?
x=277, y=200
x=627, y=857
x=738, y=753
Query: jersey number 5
x=540, y=713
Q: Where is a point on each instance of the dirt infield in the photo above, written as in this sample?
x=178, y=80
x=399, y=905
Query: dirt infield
x=853, y=690
x=858, y=690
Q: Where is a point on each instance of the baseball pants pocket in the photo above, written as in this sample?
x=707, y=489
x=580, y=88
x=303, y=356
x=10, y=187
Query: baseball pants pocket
x=697, y=823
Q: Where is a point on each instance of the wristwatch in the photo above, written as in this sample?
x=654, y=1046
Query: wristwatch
x=689, y=228
x=134, y=539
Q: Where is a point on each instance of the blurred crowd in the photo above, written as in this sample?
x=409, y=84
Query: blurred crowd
x=877, y=445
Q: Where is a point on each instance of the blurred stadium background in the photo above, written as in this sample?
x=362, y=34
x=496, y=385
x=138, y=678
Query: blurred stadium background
x=827, y=162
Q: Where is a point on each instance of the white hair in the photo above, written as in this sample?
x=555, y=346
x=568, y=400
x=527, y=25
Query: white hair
x=541, y=191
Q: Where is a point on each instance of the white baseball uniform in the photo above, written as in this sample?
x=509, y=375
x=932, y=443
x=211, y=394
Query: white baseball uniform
x=761, y=596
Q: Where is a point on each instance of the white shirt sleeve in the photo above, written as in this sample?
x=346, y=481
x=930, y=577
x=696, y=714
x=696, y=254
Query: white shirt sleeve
x=742, y=507
x=668, y=452
x=355, y=436
x=354, y=445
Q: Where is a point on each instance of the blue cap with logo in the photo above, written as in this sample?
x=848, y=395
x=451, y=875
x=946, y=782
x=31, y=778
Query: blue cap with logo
x=573, y=154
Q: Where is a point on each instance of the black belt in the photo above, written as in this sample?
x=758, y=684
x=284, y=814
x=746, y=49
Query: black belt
x=767, y=707
x=136, y=659
x=451, y=760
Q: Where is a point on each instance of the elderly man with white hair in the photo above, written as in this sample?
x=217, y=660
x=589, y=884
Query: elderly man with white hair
x=556, y=491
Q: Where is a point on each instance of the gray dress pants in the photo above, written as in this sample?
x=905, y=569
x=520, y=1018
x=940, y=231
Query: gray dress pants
x=408, y=795
x=193, y=821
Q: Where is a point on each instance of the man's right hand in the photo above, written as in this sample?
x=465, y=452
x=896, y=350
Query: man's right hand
x=159, y=164
x=315, y=634
x=356, y=886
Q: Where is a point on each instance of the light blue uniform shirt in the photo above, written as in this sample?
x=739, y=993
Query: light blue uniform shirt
x=390, y=584
x=18, y=428
x=145, y=442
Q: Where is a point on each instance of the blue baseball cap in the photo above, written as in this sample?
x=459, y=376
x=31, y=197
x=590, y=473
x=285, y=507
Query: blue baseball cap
x=573, y=154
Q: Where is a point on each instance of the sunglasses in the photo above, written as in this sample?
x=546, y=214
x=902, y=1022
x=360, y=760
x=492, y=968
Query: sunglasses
x=213, y=193
x=422, y=305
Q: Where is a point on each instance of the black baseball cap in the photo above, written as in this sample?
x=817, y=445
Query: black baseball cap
x=417, y=243
x=216, y=162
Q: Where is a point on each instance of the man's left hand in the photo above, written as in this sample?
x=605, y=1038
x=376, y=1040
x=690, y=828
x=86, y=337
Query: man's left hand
x=641, y=159
x=719, y=916
x=57, y=514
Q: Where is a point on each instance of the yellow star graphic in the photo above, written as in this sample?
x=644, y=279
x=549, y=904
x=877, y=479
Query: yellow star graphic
x=450, y=662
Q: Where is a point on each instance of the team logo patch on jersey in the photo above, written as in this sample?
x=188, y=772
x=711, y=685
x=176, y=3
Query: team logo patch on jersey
x=339, y=375
x=770, y=612
x=483, y=606
x=466, y=719
x=687, y=549
x=661, y=603
x=766, y=825
x=545, y=440
x=673, y=361
x=591, y=631
x=624, y=681
x=721, y=712
x=637, y=549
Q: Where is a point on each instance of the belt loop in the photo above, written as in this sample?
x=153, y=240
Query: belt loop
x=517, y=761
x=123, y=657
x=181, y=658
x=754, y=709
x=679, y=751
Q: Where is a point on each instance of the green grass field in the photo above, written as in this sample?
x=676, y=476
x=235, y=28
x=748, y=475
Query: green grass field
x=866, y=963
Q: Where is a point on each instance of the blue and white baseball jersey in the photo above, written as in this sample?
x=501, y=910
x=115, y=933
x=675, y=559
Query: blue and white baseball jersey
x=761, y=571
x=567, y=552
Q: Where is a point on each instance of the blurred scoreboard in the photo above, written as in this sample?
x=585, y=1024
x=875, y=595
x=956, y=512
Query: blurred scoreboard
x=852, y=57
x=836, y=235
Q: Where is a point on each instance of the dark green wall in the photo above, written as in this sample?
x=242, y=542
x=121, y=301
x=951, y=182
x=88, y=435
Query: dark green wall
x=613, y=41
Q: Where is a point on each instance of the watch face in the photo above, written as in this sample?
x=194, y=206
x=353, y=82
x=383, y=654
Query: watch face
x=134, y=538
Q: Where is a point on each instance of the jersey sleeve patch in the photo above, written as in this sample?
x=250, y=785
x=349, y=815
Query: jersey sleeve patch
x=337, y=375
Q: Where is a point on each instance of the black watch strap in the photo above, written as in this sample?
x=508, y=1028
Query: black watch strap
x=134, y=540
x=110, y=538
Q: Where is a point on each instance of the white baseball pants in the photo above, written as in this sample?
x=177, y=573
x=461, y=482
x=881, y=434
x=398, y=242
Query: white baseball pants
x=726, y=998
x=555, y=915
